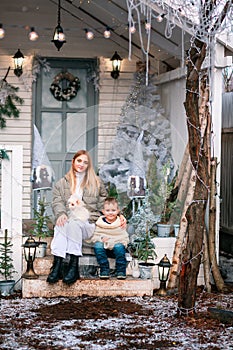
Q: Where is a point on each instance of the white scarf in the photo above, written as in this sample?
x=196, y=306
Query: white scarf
x=79, y=180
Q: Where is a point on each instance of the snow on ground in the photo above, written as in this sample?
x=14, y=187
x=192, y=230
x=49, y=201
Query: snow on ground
x=112, y=324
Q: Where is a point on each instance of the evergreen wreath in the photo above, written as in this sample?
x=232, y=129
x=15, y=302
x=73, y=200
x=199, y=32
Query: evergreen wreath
x=68, y=93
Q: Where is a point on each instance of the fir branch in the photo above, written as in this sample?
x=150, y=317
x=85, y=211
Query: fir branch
x=9, y=108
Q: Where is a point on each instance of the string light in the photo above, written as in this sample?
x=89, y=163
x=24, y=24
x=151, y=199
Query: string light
x=107, y=33
x=160, y=18
x=2, y=32
x=147, y=25
x=89, y=34
x=132, y=29
x=33, y=36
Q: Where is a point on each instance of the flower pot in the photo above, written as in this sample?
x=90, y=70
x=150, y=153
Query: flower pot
x=163, y=230
x=145, y=270
x=7, y=287
x=176, y=229
x=41, y=249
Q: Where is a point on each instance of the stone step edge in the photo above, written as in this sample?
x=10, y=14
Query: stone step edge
x=32, y=288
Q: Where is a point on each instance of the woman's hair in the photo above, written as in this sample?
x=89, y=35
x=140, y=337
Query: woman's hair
x=90, y=180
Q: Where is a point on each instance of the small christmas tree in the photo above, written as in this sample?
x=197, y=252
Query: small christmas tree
x=6, y=265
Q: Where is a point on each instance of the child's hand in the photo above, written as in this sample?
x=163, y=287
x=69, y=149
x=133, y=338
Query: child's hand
x=104, y=239
x=123, y=221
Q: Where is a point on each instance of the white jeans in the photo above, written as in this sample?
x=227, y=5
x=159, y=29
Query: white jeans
x=68, y=238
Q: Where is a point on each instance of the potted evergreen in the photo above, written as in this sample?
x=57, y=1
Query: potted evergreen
x=141, y=246
x=146, y=255
x=41, y=227
x=162, y=196
x=6, y=266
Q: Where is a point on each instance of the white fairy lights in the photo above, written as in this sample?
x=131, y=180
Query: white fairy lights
x=2, y=31
x=199, y=18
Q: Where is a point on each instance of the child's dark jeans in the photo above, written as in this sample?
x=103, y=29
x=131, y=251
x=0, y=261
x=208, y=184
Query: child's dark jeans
x=103, y=254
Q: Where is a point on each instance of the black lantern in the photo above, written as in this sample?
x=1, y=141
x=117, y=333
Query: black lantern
x=30, y=254
x=18, y=61
x=58, y=36
x=163, y=269
x=116, y=65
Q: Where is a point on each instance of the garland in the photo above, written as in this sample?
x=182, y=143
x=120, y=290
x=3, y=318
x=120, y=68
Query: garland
x=8, y=101
x=68, y=93
x=3, y=155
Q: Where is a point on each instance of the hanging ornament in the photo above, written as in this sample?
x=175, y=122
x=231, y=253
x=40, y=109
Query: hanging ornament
x=67, y=93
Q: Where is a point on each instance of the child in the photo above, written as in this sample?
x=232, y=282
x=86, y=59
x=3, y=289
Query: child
x=110, y=240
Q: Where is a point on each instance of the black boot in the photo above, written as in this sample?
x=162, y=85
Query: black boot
x=55, y=273
x=73, y=270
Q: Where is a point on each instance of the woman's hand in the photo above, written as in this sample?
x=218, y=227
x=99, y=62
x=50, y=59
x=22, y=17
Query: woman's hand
x=61, y=220
x=123, y=221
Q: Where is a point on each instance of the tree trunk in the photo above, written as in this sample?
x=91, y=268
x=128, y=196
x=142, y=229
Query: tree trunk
x=206, y=263
x=186, y=185
x=185, y=194
x=212, y=218
x=199, y=155
x=198, y=150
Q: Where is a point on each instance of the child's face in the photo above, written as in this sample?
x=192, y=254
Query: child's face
x=110, y=211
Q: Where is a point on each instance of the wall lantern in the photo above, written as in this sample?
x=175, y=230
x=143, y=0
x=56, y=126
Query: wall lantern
x=18, y=61
x=116, y=65
x=58, y=36
x=163, y=269
x=30, y=254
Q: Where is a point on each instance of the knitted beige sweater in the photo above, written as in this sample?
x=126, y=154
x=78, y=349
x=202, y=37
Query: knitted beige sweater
x=113, y=232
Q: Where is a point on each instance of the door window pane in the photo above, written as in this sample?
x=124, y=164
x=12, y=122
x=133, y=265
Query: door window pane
x=51, y=131
x=80, y=100
x=48, y=100
x=76, y=131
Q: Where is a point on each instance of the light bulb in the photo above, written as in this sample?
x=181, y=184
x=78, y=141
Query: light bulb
x=132, y=29
x=147, y=25
x=107, y=33
x=33, y=36
x=2, y=32
x=89, y=34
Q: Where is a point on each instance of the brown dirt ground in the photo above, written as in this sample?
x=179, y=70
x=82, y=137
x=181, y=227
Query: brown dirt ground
x=97, y=309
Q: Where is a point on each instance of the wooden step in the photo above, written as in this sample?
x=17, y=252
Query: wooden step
x=42, y=265
x=91, y=287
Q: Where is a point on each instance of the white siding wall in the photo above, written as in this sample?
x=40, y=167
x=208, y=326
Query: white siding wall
x=112, y=96
x=172, y=92
x=19, y=131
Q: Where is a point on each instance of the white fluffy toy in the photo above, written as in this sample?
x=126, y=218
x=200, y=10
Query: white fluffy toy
x=77, y=209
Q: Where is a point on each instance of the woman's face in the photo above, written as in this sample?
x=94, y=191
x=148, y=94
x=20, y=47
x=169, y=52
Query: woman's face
x=80, y=164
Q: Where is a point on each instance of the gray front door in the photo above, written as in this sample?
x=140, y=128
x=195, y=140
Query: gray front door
x=67, y=126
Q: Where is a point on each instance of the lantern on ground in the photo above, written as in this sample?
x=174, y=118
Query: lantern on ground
x=163, y=269
x=30, y=254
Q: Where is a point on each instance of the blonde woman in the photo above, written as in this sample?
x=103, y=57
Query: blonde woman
x=82, y=182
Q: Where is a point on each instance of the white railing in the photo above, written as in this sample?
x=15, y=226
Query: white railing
x=11, y=201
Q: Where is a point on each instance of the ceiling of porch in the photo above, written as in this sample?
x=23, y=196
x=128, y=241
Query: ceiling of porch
x=18, y=16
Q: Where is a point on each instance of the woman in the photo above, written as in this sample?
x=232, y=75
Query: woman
x=82, y=182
